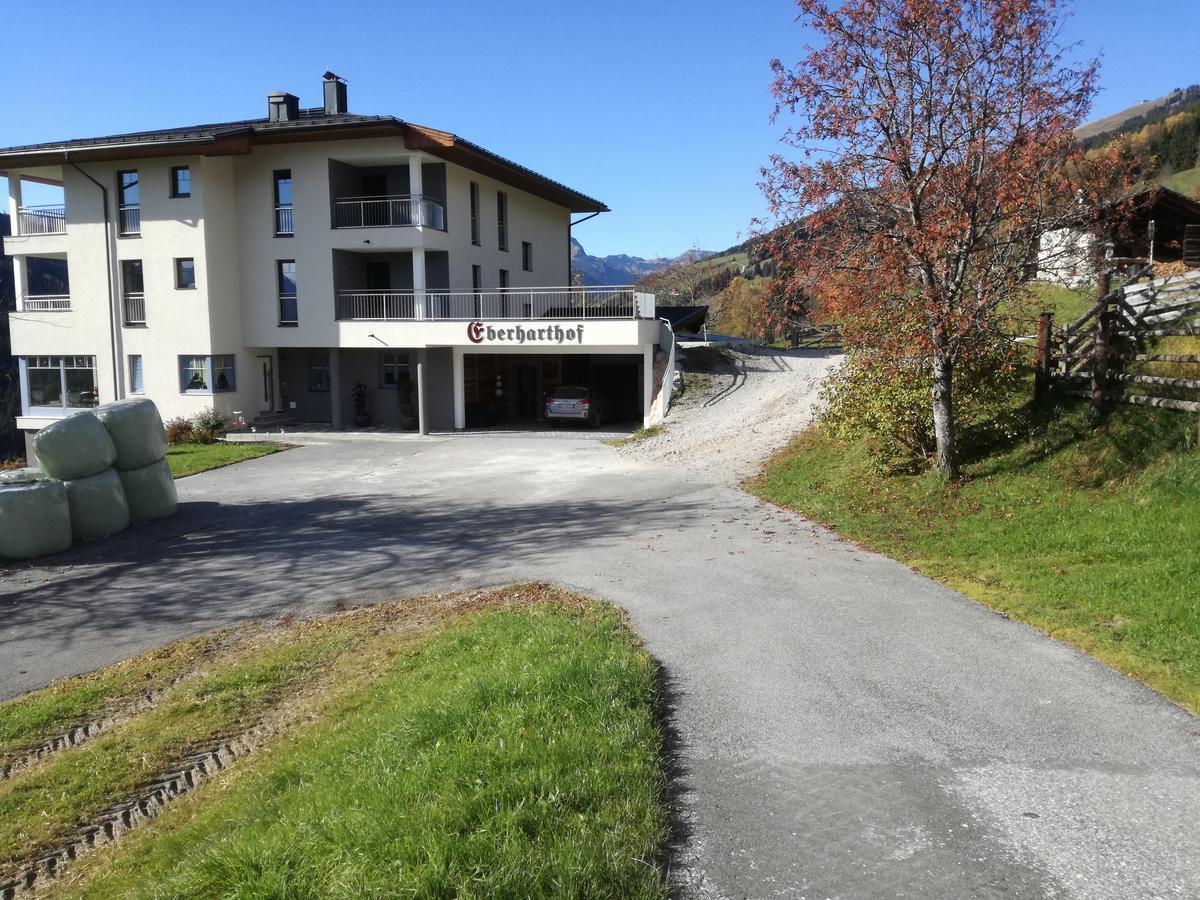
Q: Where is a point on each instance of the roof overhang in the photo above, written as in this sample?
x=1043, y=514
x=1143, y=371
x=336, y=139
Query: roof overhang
x=240, y=141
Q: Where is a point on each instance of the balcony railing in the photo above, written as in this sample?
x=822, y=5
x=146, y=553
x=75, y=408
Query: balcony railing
x=47, y=303
x=41, y=220
x=283, y=220
x=389, y=212
x=288, y=312
x=510, y=303
x=129, y=219
x=134, y=307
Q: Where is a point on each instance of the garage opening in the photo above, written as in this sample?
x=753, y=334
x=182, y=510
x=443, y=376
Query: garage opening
x=505, y=389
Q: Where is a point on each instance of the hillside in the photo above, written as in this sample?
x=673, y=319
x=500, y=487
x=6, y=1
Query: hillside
x=1146, y=110
x=622, y=268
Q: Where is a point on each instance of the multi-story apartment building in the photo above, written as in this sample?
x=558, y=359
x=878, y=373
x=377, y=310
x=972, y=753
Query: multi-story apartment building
x=269, y=265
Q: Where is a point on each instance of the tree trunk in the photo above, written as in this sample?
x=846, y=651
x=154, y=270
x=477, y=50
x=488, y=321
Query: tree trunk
x=943, y=417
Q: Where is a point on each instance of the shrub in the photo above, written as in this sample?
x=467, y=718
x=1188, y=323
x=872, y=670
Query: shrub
x=887, y=403
x=180, y=430
x=209, y=425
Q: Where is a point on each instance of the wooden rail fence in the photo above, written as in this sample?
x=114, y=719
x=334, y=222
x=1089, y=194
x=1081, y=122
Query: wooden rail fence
x=1109, y=352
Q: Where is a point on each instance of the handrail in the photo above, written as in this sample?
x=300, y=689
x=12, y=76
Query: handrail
x=504, y=303
x=46, y=303
x=389, y=211
x=51, y=219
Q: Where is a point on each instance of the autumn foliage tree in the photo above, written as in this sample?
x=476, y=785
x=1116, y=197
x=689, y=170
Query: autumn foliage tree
x=932, y=145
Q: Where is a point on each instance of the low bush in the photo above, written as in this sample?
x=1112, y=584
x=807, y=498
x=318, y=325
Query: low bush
x=209, y=425
x=180, y=430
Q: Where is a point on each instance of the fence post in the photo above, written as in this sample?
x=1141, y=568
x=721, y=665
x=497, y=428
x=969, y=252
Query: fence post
x=1041, y=377
x=1100, y=351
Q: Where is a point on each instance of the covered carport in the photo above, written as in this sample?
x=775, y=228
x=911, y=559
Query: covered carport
x=510, y=388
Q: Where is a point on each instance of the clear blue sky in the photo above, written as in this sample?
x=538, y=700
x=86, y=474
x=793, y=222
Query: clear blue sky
x=658, y=108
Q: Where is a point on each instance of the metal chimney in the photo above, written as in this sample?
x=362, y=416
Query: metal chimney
x=282, y=107
x=335, y=95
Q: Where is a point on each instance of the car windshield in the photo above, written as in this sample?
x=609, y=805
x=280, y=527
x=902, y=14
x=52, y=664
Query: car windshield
x=569, y=393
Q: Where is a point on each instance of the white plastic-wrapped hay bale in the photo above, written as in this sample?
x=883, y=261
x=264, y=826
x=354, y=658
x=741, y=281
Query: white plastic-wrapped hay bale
x=34, y=517
x=74, y=447
x=98, y=505
x=136, y=430
x=150, y=492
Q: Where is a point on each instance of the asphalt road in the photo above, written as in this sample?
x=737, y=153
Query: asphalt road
x=842, y=727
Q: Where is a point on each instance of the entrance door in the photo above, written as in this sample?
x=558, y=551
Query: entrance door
x=267, y=389
x=526, y=388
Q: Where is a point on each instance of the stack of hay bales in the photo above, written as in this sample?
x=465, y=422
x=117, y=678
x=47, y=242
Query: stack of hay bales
x=141, y=443
x=78, y=451
x=100, y=471
x=34, y=518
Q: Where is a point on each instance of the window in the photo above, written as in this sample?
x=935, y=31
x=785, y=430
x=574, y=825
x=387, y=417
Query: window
x=185, y=273
x=392, y=368
x=477, y=278
x=527, y=256
x=474, y=213
x=503, y=278
x=283, y=203
x=285, y=277
x=61, y=382
x=206, y=374
x=133, y=297
x=137, y=384
x=129, y=212
x=318, y=372
x=181, y=181
x=502, y=219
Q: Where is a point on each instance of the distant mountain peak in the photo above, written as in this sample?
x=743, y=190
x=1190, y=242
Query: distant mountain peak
x=622, y=268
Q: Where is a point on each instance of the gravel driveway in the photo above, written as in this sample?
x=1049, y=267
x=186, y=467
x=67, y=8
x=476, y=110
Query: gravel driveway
x=841, y=726
x=764, y=398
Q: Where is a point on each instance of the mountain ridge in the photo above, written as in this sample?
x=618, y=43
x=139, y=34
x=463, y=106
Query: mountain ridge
x=622, y=268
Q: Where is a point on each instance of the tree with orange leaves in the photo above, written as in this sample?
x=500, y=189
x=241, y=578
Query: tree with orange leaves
x=935, y=145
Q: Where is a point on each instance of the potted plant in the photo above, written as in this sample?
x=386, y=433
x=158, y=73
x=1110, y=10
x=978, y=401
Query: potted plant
x=358, y=395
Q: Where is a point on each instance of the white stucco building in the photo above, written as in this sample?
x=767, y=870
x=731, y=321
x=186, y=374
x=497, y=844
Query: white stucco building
x=266, y=266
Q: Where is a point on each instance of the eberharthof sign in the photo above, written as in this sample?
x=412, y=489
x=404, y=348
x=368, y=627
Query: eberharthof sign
x=481, y=333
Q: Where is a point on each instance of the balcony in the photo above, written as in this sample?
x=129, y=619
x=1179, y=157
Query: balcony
x=129, y=219
x=41, y=220
x=133, y=308
x=389, y=212
x=283, y=220
x=511, y=303
x=46, y=303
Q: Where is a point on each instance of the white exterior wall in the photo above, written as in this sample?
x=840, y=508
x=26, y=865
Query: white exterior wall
x=227, y=227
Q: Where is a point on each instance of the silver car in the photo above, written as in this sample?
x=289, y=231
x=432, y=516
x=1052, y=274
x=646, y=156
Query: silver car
x=573, y=403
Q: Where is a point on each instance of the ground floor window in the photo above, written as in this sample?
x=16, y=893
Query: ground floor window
x=393, y=367
x=206, y=374
x=319, y=378
x=61, y=382
x=136, y=381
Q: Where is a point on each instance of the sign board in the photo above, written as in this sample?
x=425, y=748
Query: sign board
x=524, y=335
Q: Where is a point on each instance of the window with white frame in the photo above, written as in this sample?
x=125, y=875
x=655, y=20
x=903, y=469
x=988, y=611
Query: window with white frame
x=207, y=374
x=392, y=368
x=137, y=384
x=61, y=382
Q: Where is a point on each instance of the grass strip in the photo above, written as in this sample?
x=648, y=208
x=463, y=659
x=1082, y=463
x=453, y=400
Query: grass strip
x=1088, y=533
x=42, y=805
x=190, y=459
x=35, y=718
x=515, y=753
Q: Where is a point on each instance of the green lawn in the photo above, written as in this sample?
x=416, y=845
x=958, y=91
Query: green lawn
x=1090, y=536
x=497, y=745
x=1067, y=304
x=1186, y=182
x=188, y=459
